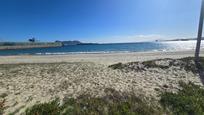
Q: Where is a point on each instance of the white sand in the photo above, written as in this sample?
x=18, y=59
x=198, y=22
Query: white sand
x=26, y=84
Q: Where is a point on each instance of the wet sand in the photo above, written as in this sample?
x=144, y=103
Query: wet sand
x=106, y=59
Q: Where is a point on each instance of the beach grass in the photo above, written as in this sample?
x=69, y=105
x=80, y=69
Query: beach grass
x=187, y=101
x=2, y=106
x=183, y=63
x=108, y=105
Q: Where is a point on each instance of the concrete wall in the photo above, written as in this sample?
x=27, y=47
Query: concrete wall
x=28, y=45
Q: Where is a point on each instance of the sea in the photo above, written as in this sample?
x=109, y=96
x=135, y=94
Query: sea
x=107, y=48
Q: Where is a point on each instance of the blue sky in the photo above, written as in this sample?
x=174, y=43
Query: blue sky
x=98, y=20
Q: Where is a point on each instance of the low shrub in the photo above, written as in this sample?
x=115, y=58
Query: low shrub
x=187, y=101
x=85, y=105
x=116, y=66
x=183, y=63
x=2, y=107
x=51, y=108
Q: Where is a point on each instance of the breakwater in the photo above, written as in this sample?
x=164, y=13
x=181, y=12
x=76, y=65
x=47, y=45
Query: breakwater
x=25, y=45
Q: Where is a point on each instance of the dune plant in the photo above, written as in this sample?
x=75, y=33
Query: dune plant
x=86, y=105
x=2, y=103
x=189, y=100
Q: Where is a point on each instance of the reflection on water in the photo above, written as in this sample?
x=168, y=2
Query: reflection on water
x=108, y=48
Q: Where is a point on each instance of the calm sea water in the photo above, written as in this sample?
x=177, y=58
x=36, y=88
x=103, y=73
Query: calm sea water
x=106, y=48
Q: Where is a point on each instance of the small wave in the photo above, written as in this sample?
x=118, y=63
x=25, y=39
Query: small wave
x=67, y=53
x=110, y=48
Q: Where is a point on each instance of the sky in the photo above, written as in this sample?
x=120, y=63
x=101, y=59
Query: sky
x=100, y=21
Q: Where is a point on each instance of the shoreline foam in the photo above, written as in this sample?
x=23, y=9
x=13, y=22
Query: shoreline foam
x=103, y=58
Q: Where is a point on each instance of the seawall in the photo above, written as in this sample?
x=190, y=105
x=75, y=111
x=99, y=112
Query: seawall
x=7, y=46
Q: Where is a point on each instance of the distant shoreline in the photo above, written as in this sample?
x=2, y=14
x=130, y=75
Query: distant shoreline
x=25, y=45
x=56, y=48
x=30, y=45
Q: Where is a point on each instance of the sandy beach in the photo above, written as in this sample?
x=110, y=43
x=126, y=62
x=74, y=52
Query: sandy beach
x=27, y=79
x=105, y=59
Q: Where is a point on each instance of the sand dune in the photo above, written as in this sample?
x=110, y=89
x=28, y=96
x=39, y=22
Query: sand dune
x=27, y=84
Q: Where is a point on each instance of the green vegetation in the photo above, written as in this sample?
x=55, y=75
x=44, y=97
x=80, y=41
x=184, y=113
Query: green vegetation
x=2, y=106
x=113, y=104
x=188, y=101
x=3, y=95
x=183, y=63
x=189, y=65
x=51, y=108
x=152, y=64
x=117, y=66
x=187, y=59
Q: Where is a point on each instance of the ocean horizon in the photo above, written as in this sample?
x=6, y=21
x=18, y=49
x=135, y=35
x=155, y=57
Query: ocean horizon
x=106, y=48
